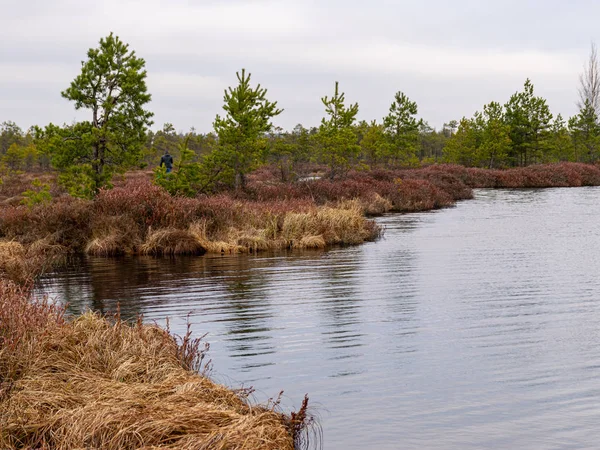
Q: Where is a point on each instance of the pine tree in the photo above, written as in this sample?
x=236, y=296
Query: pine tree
x=242, y=130
x=463, y=146
x=529, y=120
x=336, y=136
x=373, y=142
x=112, y=85
x=495, y=143
x=402, y=127
x=561, y=146
x=586, y=133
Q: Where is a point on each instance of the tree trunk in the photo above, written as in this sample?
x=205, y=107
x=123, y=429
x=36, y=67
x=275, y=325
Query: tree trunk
x=240, y=181
x=96, y=166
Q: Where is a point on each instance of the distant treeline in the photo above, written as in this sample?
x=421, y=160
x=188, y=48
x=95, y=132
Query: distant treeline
x=518, y=133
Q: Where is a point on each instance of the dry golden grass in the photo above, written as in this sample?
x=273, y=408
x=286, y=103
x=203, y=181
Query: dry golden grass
x=336, y=226
x=315, y=242
x=107, y=245
x=198, y=230
x=316, y=228
x=23, y=263
x=88, y=383
x=171, y=241
x=113, y=236
x=254, y=240
x=11, y=249
x=375, y=204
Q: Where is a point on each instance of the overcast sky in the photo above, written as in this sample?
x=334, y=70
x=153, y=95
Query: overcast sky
x=451, y=57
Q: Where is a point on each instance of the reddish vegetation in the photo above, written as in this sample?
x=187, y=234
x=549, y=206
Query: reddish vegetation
x=426, y=188
x=139, y=217
x=538, y=176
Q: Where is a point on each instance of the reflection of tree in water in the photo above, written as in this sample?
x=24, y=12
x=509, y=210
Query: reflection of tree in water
x=134, y=283
x=341, y=302
x=226, y=289
x=395, y=267
x=70, y=287
x=244, y=309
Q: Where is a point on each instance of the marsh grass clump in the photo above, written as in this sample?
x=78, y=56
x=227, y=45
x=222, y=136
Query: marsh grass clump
x=343, y=225
x=108, y=244
x=171, y=241
x=90, y=382
x=374, y=204
x=22, y=320
x=23, y=263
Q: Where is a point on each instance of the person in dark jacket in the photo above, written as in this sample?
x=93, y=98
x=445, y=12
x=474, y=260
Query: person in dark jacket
x=167, y=160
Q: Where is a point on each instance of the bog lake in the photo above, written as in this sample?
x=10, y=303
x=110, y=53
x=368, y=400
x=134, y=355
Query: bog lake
x=471, y=327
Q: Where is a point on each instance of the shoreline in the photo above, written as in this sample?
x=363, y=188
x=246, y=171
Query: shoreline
x=137, y=217
x=91, y=382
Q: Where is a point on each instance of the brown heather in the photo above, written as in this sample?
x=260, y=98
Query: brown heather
x=141, y=218
x=138, y=217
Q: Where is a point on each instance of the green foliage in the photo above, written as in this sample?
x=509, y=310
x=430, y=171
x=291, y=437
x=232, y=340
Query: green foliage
x=80, y=181
x=373, y=142
x=560, y=143
x=39, y=194
x=4, y=173
x=169, y=139
x=462, y=147
x=520, y=133
x=431, y=144
x=10, y=134
x=187, y=178
x=166, y=139
x=495, y=139
x=242, y=141
x=585, y=131
x=402, y=128
x=288, y=150
x=282, y=153
x=112, y=85
x=336, y=139
x=450, y=128
x=21, y=157
x=529, y=120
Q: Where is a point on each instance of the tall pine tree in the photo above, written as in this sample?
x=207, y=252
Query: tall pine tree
x=337, y=139
x=112, y=86
x=402, y=128
x=242, y=130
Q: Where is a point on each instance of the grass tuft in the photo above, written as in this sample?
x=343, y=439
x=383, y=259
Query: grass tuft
x=171, y=241
x=93, y=383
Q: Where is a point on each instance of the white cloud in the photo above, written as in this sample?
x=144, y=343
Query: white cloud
x=36, y=73
x=180, y=85
x=450, y=58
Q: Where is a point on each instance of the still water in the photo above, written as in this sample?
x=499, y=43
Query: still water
x=471, y=327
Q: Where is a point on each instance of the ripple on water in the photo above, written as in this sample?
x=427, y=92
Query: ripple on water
x=470, y=327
